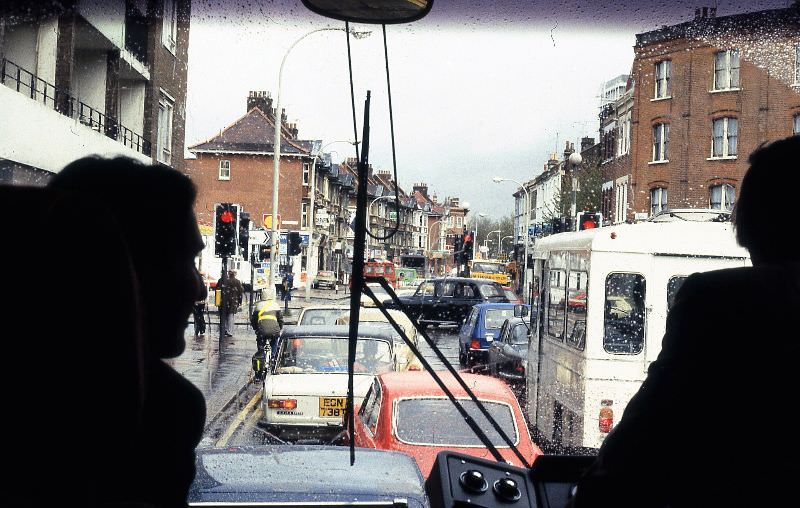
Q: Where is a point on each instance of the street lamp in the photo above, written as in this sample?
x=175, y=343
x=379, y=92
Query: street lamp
x=503, y=239
x=575, y=159
x=276, y=149
x=477, y=241
x=489, y=234
x=526, y=236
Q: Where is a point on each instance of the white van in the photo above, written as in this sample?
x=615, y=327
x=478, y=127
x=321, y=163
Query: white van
x=601, y=298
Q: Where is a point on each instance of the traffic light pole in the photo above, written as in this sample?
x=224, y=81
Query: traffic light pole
x=223, y=301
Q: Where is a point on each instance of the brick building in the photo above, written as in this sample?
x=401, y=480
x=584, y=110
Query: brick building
x=702, y=96
x=84, y=79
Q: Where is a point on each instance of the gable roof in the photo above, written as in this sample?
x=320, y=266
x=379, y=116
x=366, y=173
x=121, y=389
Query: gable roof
x=253, y=132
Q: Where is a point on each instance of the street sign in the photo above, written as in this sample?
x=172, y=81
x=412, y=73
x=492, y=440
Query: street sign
x=267, y=221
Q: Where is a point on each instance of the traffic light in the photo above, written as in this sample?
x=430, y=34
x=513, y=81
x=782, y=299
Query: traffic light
x=467, y=246
x=294, y=243
x=226, y=218
x=458, y=247
x=589, y=220
x=244, y=233
x=264, y=252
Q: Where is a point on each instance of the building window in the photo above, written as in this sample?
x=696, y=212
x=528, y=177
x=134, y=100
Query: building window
x=224, y=170
x=663, y=79
x=169, y=32
x=164, y=148
x=660, y=142
x=725, y=137
x=721, y=197
x=797, y=65
x=658, y=200
x=306, y=172
x=726, y=70
x=796, y=129
x=304, y=215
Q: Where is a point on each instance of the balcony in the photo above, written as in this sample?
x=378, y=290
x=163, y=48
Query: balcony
x=33, y=87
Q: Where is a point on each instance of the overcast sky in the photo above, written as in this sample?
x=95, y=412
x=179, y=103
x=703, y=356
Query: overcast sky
x=478, y=88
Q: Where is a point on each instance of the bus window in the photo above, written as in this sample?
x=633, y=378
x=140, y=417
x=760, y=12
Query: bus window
x=576, y=308
x=674, y=284
x=555, y=305
x=624, y=313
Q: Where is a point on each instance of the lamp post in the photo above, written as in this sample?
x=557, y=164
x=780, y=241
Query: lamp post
x=503, y=239
x=489, y=234
x=574, y=159
x=526, y=236
x=477, y=242
x=276, y=150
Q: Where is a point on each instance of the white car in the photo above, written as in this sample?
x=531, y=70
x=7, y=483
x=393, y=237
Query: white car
x=321, y=314
x=406, y=359
x=305, y=393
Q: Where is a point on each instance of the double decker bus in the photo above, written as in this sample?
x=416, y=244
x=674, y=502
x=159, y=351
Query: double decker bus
x=416, y=261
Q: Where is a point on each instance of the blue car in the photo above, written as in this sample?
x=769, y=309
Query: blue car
x=480, y=329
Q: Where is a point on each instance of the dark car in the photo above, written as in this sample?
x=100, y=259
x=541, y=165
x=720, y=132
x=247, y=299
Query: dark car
x=480, y=330
x=286, y=474
x=448, y=300
x=508, y=355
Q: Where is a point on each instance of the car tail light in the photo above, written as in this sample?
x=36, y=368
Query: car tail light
x=475, y=344
x=282, y=404
x=415, y=366
x=520, y=368
x=606, y=418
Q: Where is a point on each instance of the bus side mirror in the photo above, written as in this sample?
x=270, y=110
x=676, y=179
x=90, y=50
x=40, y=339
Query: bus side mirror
x=520, y=310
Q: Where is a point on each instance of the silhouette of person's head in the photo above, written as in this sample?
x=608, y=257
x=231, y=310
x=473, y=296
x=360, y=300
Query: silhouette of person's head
x=153, y=206
x=758, y=216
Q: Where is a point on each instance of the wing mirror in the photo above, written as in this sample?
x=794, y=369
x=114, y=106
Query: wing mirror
x=379, y=12
x=520, y=311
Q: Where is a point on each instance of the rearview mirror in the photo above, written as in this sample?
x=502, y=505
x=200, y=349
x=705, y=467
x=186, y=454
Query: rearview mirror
x=379, y=12
x=520, y=310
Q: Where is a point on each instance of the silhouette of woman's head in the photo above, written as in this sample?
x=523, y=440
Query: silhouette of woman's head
x=760, y=214
x=153, y=206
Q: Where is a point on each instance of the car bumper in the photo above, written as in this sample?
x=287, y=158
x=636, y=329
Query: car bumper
x=294, y=432
x=480, y=355
x=326, y=284
x=516, y=378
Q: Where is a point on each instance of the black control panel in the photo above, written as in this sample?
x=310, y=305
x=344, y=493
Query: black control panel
x=460, y=481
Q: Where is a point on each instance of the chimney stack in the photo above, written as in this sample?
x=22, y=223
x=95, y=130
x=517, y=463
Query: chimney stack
x=422, y=187
x=260, y=99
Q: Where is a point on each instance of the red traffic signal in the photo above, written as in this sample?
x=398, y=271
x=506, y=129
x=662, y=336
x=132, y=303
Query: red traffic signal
x=589, y=220
x=227, y=216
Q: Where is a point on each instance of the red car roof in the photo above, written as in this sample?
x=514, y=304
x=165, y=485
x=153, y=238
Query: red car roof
x=397, y=384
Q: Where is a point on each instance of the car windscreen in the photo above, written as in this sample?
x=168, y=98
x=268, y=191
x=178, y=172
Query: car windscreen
x=436, y=421
x=519, y=334
x=314, y=355
x=487, y=268
x=491, y=291
x=321, y=316
x=496, y=317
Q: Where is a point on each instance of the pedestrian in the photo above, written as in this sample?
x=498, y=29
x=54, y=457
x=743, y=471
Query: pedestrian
x=267, y=322
x=199, y=312
x=232, y=295
x=163, y=261
x=726, y=371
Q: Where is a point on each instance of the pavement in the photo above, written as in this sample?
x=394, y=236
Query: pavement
x=220, y=367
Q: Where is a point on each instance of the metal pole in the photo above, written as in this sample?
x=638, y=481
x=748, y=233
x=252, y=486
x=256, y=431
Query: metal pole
x=526, y=238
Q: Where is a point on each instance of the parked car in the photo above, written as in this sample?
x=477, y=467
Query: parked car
x=408, y=412
x=321, y=314
x=405, y=358
x=448, y=300
x=508, y=354
x=282, y=475
x=480, y=330
x=325, y=278
x=306, y=389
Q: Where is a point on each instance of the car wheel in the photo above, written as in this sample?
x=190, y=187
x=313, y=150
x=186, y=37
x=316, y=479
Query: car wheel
x=462, y=358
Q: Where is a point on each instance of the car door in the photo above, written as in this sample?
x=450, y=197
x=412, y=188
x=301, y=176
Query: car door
x=465, y=296
x=495, y=350
x=443, y=301
x=417, y=302
x=465, y=333
x=430, y=300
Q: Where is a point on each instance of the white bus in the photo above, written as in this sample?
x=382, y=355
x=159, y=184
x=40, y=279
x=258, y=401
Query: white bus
x=601, y=298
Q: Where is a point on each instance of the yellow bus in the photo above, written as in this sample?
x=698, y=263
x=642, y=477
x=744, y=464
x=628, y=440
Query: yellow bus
x=489, y=269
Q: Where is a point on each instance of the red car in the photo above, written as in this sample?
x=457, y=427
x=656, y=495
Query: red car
x=408, y=412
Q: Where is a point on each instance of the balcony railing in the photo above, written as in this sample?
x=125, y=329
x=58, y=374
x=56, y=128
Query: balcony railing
x=31, y=85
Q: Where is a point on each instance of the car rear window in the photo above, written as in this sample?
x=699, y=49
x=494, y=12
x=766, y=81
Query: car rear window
x=496, y=317
x=309, y=355
x=436, y=421
x=322, y=316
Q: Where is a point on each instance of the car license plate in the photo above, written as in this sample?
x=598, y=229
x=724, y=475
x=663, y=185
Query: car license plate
x=332, y=407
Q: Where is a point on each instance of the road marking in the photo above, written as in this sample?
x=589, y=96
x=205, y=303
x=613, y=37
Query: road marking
x=223, y=441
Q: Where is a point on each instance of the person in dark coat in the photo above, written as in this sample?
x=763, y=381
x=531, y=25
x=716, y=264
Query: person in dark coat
x=174, y=410
x=199, y=313
x=710, y=425
x=232, y=296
